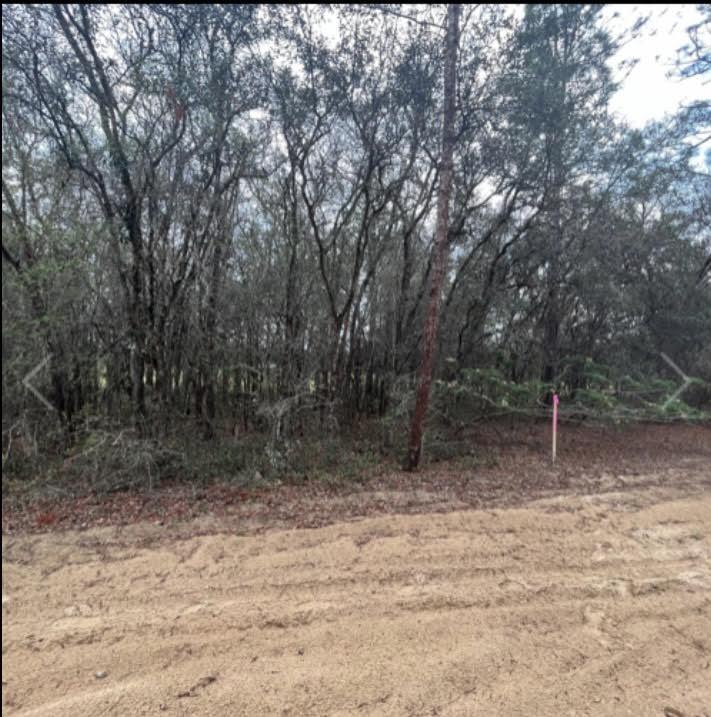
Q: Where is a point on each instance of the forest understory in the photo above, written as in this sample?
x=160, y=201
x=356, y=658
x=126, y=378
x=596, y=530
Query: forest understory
x=495, y=464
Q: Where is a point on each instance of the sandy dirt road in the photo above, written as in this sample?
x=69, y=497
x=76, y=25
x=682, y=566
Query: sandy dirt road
x=575, y=605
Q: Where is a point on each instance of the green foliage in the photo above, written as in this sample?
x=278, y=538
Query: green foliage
x=598, y=394
x=486, y=391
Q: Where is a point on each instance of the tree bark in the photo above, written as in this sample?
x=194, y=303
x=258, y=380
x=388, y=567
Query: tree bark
x=429, y=339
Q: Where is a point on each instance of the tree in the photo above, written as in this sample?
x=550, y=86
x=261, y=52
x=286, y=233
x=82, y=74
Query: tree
x=694, y=58
x=441, y=239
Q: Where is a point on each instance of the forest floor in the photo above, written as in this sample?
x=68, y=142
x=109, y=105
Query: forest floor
x=503, y=586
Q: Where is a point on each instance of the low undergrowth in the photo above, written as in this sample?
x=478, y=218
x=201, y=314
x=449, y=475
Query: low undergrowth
x=100, y=459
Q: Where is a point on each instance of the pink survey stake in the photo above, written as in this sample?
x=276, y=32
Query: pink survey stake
x=556, y=401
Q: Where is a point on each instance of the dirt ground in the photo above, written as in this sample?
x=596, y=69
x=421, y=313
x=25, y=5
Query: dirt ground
x=583, y=602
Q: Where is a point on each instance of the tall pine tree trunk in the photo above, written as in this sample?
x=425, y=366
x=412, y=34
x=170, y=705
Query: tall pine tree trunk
x=429, y=340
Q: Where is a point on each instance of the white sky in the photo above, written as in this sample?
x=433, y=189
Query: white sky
x=649, y=93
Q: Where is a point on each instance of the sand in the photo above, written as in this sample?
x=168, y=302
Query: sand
x=573, y=605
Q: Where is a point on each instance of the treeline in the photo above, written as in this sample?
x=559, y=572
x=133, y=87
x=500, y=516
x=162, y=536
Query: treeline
x=226, y=213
